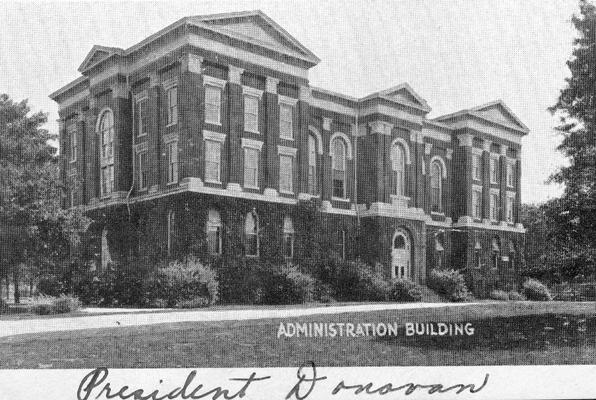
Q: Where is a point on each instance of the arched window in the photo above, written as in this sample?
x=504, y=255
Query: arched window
x=512, y=258
x=105, y=129
x=338, y=165
x=495, y=252
x=214, y=232
x=288, y=232
x=477, y=252
x=399, y=242
x=398, y=167
x=436, y=186
x=251, y=234
x=312, y=164
x=170, y=231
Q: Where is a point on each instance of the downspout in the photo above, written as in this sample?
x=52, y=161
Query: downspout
x=132, y=185
x=355, y=196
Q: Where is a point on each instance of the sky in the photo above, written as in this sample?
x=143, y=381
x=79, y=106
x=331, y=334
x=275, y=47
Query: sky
x=456, y=54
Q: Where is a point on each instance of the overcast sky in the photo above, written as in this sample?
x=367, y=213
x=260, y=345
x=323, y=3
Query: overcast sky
x=455, y=54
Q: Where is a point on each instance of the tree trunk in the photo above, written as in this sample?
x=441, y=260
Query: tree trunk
x=15, y=278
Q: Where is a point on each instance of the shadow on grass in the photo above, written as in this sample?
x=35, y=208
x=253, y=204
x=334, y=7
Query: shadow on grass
x=531, y=332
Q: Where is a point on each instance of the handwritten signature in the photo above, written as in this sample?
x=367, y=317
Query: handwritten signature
x=95, y=385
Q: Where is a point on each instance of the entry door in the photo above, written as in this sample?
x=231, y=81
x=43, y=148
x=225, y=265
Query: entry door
x=400, y=256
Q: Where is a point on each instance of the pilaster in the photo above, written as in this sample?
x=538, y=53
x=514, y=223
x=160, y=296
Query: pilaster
x=271, y=159
x=236, y=123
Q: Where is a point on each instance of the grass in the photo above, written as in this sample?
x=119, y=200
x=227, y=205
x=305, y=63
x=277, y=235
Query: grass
x=506, y=333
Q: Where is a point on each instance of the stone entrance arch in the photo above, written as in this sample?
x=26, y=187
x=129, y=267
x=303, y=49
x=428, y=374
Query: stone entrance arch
x=401, y=255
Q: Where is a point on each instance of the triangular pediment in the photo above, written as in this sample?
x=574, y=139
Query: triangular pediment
x=499, y=112
x=98, y=54
x=404, y=94
x=256, y=27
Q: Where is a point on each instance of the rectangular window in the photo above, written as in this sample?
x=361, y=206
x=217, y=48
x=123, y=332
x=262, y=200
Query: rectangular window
x=142, y=170
x=72, y=133
x=172, y=98
x=286, y=173
x=107, y=180
x=286, y=113
x=212, y=161
x=212, y=105
x=251, y=114
x=251, y=168
x=494, y=206
x=510, y=202
x=477, y=204
x=172, y=152
x=142, y=117
x=494, y=172
x=476, y=167
x=510, y=175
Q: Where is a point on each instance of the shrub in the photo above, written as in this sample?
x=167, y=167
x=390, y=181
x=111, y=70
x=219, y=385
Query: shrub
x=45, y=305
x=3, y=306
x=50, y=285
x=499, y=295
x=448, y=283
x=536, y=290
x=65, y=304
x=515, y=296
x=196, y=302
x=185, y=280
x=405, y=290
x=355, y=281
x=158, y=303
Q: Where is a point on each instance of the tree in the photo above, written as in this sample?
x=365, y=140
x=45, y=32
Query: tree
x=34, y=227
x=575, y=215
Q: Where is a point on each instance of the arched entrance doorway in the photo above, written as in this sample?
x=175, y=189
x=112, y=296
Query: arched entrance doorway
x=401, y=255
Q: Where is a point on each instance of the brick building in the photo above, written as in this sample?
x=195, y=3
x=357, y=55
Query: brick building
x=207, y=137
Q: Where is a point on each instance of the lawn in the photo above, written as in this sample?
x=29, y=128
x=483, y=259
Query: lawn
x=505, y=333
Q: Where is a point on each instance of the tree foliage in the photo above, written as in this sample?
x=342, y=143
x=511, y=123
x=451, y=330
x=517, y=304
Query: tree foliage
x=35, y=232
x=575, y=212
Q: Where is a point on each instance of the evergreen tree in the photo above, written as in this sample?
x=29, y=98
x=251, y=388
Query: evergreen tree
x=575, y=215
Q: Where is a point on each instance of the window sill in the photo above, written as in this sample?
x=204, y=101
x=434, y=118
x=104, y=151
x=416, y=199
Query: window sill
x=73, y=161
x=251, y=131
x=291, y=139
x=142, y=135
x=171, y=125
x=343, y=199
x=251, y=187
x=218, y=123
x=287, y=192
x=143, y=190
x=213, y=181
x=171, y=183
x=437, y=213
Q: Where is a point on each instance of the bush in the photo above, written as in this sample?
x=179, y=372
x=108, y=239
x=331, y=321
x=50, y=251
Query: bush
x=287, y=285
x=46, y=305
x=196, y=302
x=448, y=283
x=499, y=295
x=405, y=290
x=536, y=290
x=355, y=281
x=183, y=281
x=158, y=303
x=515, y=296
x=65, y=304
x=50, y=285
x=3, y=306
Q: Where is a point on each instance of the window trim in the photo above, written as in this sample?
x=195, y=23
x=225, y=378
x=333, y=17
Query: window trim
x=140, y=98
x=494, y=161
x=168, y=86
x=290, y=103
x=494, y=192
x=397, y=146
x=140, y=152
x=72, y=134
x=106, y=163
x=477, y=189
x=208, y=229
x=291, y=233
x=255, y=216
x=219, y=88
x=169, y=144
x=257, y=94
x=292, y=166
x=345, y=167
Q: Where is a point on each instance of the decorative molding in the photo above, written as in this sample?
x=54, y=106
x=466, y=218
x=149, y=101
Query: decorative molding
x=511, y=193
x=154, y=79
x=477, y=188
x=427, y=148
x=327, y=123
x=440, y=160
x=251, y=143
x=381, y=127
x=307, y=196
x=379, y=209
x=416, y=137
x=449, y=155
x=191, y=63
x=142, y=95
x=304, y=93
x=234, y=187
x=215, y=136
x=287, y=100
x=119, y=91
x=171, y=137
x=271, y=85
x=486, y=145
x=235, y=74
x=345, y=138
x=319, y=138
x=476, y=151
x=465, y=139
x=504, y=150
x=170, y=83
x=405, y=146
x=270, y=192
x=288, y=151
x=251, y=91
x=140, y=147
x=213, y=81
x=331, y=106
x=468, y=222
